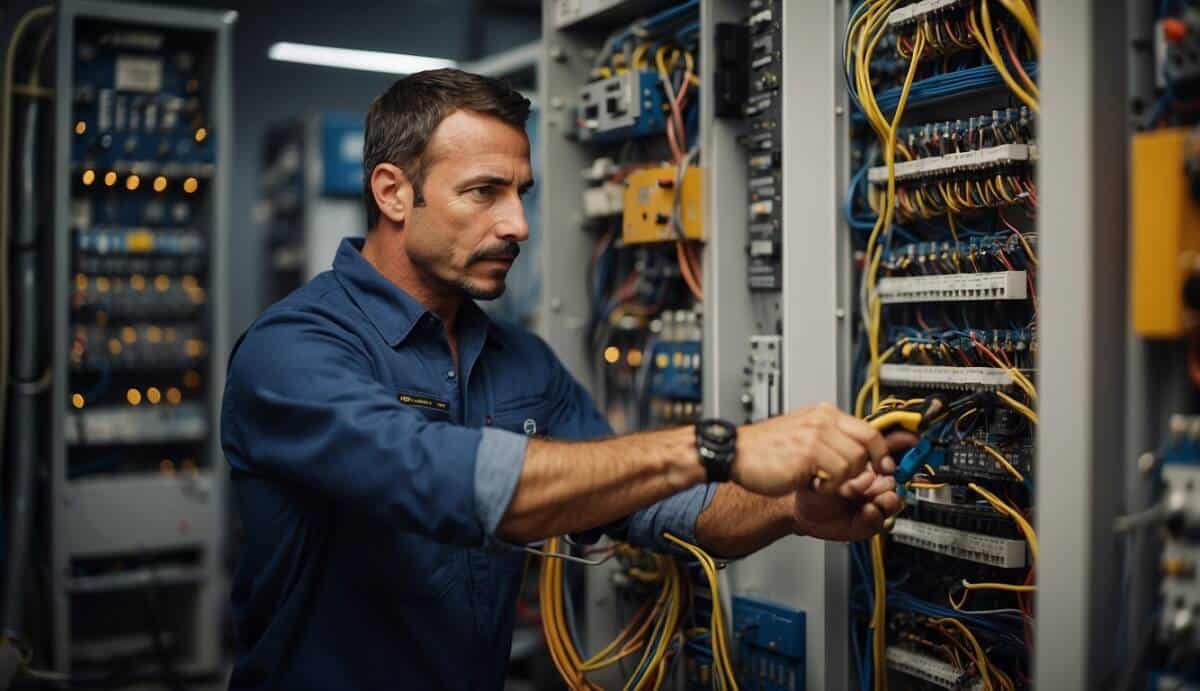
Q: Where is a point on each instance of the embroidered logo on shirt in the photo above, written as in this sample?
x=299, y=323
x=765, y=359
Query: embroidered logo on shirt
x=530, y=426
x=423, y=401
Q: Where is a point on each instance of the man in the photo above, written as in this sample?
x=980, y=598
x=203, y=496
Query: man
x=391, y=445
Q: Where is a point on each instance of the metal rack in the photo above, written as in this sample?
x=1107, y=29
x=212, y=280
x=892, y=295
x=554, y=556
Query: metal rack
x=144, y=513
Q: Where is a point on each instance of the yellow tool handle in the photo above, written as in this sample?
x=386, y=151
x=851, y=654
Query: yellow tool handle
x=910, y=420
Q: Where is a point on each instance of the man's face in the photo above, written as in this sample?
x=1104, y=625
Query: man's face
x=466, y=234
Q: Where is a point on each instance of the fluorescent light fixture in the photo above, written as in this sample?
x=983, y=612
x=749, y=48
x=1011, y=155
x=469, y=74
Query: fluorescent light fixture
x=367, y=60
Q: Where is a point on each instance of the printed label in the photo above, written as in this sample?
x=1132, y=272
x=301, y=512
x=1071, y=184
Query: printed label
x=422, y=401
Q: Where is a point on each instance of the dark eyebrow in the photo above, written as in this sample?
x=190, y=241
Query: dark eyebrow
x=485, y=179
x=525, y=187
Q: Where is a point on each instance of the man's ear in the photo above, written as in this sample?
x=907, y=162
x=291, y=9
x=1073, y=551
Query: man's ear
x=393, y=192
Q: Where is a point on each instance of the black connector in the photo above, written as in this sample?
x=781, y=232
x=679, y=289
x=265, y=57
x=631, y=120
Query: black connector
x=732, y=53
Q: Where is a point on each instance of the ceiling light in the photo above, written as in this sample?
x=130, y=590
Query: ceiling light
x=368, y=60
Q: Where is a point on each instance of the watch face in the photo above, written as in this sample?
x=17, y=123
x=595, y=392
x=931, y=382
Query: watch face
x=716, y=431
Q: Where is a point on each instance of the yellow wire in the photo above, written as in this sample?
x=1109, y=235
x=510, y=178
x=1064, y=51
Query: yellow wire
x=999, y=459
x=1026, y=529
x=639, y=55
x=884, y=221
x=1008, y=587
x=1018, y=406
x=879, y=615
x=653, y=659
x=1018, y=376
x=926, y=485
x=993, y=53
x=1027, y=21
x=721, y=660
x=984, y=665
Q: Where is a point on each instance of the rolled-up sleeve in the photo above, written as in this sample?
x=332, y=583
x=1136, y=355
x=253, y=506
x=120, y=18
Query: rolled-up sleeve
x=303, y=407
x=577, y=418
x=676, y=514
x=497, y=469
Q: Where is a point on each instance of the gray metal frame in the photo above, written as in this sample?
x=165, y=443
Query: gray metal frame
x=565, y=249
x=109, y=516
x=810, y=574
x=1081, y=452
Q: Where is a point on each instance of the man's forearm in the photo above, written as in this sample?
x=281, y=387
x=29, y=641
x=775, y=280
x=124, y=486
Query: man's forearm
x=738, y=522
x=568, y=487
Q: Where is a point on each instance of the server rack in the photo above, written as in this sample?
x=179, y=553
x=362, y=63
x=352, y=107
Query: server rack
x=150, y=530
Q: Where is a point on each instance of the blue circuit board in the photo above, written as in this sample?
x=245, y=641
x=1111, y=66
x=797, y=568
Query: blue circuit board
x=675, y=372
x=771, y=645
x=140, y=103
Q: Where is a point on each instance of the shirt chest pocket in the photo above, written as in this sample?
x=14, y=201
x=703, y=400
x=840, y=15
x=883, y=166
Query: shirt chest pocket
x=528, y=415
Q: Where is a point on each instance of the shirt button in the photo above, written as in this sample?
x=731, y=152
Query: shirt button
x=451, y=375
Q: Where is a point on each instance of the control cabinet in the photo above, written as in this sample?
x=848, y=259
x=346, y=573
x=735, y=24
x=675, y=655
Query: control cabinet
x=903, y=201
x=142, y=157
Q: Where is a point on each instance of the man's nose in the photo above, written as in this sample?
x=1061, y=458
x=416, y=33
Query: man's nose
x=514, y=226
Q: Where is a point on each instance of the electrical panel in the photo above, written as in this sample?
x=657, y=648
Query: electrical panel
x=141, y=190
x=1156, y=625
x=941, y=210
x=874, y=178
x=764, y=142
x=633, y=117
x=876, y=175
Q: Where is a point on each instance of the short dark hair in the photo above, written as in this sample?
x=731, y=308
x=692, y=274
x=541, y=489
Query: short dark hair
x=402, y=119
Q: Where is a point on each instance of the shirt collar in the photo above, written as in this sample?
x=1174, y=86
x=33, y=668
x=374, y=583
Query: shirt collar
x=392, y=311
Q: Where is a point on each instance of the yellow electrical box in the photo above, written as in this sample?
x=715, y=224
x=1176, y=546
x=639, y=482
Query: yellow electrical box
x=1166, y=232
x=649, y=198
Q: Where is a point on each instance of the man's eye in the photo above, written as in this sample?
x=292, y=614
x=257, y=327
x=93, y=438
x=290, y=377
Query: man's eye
x=480, y=193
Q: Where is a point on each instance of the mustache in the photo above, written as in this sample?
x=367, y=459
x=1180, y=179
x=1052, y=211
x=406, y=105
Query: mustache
x=509, y=250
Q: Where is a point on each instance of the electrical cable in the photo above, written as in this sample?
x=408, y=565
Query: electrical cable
x=649, y=630
x=722, y=667
x=6, y=105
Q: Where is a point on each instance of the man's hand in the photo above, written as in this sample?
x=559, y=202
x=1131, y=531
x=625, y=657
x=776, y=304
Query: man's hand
x=858, y=512
x=863, y=503
x=783, y=454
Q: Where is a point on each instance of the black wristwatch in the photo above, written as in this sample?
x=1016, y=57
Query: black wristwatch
x=716, y=442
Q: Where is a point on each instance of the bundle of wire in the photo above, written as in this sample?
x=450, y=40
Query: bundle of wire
x=654, y=629
x=651, y=630
x=867, y=25
x=722, y=674
x=663, y=37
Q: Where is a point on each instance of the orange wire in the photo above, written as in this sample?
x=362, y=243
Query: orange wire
x=685, y=268
x=1012, y=54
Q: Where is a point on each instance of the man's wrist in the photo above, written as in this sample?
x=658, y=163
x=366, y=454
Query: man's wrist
x=788, y=519
x=683, y=468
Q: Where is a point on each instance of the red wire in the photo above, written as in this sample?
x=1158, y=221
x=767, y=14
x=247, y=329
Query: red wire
x=1012, y=54
x=1193, y=362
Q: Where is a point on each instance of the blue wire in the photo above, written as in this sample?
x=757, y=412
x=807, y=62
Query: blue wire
x=668, y=14
x=940, y=86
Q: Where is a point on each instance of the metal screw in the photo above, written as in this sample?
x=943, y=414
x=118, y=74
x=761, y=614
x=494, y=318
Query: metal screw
x=555, y=304
x=839, y=111
x=839, y=313
x=557, y=54
x=557, y=103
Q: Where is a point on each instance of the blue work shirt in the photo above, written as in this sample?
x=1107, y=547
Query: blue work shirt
x=371, y=474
